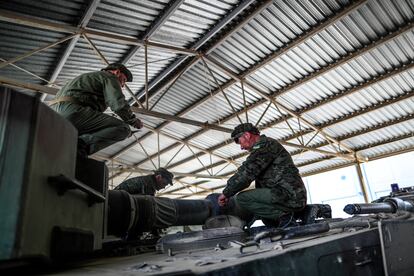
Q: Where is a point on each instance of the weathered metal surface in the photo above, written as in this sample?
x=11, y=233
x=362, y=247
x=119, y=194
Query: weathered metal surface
x=397, y=242
x=196, y=240
x=35, y=219
x=348, y=253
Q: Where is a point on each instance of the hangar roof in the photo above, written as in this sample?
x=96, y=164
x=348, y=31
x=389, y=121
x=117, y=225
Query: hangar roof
x=331, y=79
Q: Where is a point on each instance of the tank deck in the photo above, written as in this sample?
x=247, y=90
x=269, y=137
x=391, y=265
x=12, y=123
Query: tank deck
x=301, y=256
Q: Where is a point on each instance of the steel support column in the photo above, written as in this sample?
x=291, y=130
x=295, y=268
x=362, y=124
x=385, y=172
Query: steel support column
x=362, y=183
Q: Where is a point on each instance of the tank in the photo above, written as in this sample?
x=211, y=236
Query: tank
x=61, y=219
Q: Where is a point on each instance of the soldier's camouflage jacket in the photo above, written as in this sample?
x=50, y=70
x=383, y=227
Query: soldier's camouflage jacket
x=140, y=185
x=271, y=166
x=99, y=90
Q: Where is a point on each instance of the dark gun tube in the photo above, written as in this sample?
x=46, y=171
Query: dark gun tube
x=390, y=205
x=369, y=208
x=134, y=214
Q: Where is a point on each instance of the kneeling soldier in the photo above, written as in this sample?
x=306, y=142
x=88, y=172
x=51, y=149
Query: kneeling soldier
x=279, y=188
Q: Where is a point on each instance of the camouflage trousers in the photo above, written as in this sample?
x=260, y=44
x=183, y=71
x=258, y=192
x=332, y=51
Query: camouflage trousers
x=95, y=129
x=261, y=203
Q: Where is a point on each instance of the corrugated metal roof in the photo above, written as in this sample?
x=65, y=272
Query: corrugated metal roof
x=126, y=17
x=65, y=11
x=191, y=20
x=336, y=68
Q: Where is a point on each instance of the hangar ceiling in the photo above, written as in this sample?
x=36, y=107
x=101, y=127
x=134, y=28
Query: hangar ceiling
x=332, y=80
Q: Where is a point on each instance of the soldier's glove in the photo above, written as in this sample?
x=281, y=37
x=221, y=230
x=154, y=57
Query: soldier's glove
x=222, y=200
x=137, y=123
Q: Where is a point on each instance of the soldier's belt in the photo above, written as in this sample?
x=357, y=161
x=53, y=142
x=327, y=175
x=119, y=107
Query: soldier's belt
x=63, y=99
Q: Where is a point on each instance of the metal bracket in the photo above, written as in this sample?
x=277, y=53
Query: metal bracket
x=64, y=183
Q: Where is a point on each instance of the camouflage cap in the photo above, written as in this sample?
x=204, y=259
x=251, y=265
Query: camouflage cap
x=120, y=66
x=165, y=174
x=242, y=128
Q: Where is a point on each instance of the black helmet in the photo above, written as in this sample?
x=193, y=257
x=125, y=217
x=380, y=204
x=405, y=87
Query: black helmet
x=242, y=128
x=165, y=174
x=120, y=66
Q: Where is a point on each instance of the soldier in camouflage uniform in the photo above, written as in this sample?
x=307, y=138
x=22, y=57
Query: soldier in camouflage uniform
x=279, y=187
x=84, y=99
x=148, y=184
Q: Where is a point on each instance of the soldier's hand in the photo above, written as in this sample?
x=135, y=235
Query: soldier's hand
x=222, y=200
x=137, y=123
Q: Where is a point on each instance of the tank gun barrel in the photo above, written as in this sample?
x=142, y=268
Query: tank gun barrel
x=368, y=208
x=390, y=205
x=135, y=214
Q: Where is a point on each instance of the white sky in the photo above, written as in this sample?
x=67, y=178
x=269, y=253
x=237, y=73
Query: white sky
x=341, y=187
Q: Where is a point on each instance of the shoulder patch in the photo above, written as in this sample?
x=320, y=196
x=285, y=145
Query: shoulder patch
x=255, y=147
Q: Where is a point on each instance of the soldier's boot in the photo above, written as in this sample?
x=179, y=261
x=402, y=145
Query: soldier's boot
x=274, y=223
x=314, y=211
x=308, y=215
x=287, y=220
x=251, y=221
x=83, y=149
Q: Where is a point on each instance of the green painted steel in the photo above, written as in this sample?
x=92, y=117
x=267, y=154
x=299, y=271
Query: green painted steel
x=37, y=218
x=14, y=147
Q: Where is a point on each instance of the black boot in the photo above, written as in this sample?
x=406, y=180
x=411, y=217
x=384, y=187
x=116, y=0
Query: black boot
x=83, y=149
x=273, y=223
x=314, y=211
x=287, y=220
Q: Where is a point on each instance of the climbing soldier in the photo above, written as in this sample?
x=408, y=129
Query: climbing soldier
x=84, y=99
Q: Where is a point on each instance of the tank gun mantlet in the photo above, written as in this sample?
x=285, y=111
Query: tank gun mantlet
x=406, y=193
x=400, y=204
x=400, y=200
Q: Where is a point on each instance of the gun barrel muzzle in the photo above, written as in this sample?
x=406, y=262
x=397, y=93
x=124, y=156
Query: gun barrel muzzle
x=369, y=208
